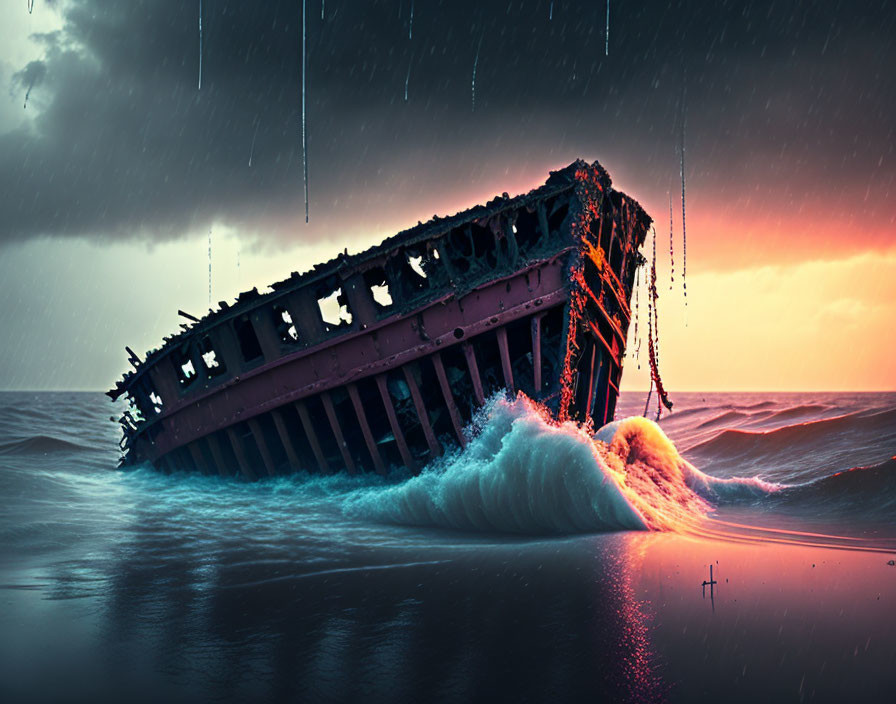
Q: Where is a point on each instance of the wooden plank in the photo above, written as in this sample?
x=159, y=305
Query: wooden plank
x=263, y=449
x=365, y=428
x=536, y=352
x=393, y=422
x=505, y=359
x=470, y=355
x=217, y=455
x=456, y=420
x=312, y=436
x=434, y=447
x=337, y=432
x=240, y=454
x=286, y=441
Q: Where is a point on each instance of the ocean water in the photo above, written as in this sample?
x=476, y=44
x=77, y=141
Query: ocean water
x=539, y=564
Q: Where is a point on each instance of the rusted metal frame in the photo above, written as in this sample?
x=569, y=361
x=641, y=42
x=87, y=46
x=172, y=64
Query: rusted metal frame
x=607, y=345
x=217, y=455
x=596, y=391
x=263, y=449
x=513, y=249
x=543, y=222
x=615, y=286
x=323, y=345
x=171, y=463
x=506, y=367
x=536, y=351
x=287, y=288
x=237, y=446
x=470, y=356
x=393, y=422
x=590, y=380
x=291, y=455
x=606, y=315
x=312, y=436
x=180, y=460
x=434, y=447
x=198, y=459
x=337, y=432
x=195, y=407
x=456, y=420
x=365, y=428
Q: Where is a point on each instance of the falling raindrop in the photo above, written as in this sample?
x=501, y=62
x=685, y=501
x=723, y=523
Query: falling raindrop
x=323, y=5
x=200, y=45
x=27, y=93
x=407, y=79
x=304, y=131
x=551, y=13
x=607, y=46
x=252, y=149
x=30, y=6
x=473, y=82
x=411, y=23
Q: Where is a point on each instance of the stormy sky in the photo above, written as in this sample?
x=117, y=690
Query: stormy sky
x=118, y=166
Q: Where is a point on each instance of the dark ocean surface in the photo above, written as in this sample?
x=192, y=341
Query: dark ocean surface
x=531, y=567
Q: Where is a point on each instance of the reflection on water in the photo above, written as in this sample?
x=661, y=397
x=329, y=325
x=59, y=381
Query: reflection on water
x=523, y=621
x=142, y=587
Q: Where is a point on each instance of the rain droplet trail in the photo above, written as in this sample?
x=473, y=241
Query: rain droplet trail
x=200, y=45
x=473, y=82
x=407, y=79
x=411, y=23
x=607, y=45
x=252, y=148
x=304, y=130
x=30, y=6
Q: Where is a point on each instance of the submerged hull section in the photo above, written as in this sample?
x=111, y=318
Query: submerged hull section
x=380, y=359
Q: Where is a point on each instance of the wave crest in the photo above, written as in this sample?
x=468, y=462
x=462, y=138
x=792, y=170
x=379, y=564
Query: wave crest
x=524, y=473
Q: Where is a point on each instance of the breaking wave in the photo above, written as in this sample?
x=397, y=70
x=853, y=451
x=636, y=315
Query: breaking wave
x=523, y=473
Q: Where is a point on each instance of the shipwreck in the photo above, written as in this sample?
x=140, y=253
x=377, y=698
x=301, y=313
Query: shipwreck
x=528, y=294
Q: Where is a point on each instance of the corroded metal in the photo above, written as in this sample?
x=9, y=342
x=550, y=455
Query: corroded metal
x=548, y=275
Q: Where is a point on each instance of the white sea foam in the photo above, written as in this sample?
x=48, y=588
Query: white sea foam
x=522, y=473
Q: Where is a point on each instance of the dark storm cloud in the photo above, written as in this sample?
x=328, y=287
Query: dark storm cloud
x=781, y=97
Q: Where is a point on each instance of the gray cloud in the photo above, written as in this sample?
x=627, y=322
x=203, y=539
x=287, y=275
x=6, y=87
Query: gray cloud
x=783, y=99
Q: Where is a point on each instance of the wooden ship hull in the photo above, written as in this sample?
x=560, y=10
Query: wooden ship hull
x=528, y=294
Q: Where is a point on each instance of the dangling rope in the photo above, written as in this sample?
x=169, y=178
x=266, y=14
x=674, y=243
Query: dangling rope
x=637, y=340
x=653, y=335
x=671, y=246
x=684, y=230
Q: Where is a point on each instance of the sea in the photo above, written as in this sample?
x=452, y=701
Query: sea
x=740, y=549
